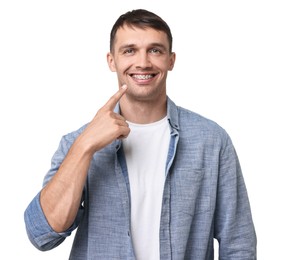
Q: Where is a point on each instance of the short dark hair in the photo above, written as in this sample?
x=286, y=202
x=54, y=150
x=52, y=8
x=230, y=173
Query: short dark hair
x=142, y=19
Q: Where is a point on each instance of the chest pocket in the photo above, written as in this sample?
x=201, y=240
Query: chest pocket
x=192, y=190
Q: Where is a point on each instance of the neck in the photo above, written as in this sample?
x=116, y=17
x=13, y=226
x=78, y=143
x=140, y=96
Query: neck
x=143, y=112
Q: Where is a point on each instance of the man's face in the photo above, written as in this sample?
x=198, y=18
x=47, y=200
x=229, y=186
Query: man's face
x=141, y=59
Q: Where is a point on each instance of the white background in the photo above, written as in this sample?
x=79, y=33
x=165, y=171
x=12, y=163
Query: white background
x=232, y=66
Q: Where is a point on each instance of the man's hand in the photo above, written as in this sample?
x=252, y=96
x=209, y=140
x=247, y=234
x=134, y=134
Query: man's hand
x=106, y=126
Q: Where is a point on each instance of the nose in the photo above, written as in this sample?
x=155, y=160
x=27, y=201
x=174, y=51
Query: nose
x=143, y=60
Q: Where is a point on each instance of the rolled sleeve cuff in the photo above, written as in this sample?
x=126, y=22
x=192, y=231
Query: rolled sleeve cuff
x=40, y=233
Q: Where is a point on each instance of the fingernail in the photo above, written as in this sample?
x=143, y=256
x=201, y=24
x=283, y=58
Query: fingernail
x=124, y=86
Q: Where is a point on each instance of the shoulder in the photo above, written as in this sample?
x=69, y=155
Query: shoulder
x=192, y=123
x=190, y=117
x=70, y=137
x=195, y=129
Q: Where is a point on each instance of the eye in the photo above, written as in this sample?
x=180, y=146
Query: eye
x=155, y=51
x=128, y=51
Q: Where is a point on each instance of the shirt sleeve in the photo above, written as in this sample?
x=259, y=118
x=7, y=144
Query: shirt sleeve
x=234, y=228
x=39, y=232
x=41, y=235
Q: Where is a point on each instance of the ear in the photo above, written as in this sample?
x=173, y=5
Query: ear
x=172, y=61
x=110, y=62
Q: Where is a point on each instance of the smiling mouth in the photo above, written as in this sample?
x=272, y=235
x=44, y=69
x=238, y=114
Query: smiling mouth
x=142, y=76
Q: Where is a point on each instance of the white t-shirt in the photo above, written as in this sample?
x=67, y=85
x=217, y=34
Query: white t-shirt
x=146, y=150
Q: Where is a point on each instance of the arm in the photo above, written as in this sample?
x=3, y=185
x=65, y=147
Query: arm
x=234, y=228
x=60, y=199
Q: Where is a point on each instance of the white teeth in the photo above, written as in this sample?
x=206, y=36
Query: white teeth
x=142, y=76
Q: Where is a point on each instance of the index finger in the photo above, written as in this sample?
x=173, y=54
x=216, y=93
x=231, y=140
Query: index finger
x=111, y=103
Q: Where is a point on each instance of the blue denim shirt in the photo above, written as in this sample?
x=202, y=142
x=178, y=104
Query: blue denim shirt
x=204, y=198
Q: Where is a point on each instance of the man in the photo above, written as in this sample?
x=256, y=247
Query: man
x=145, y=179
